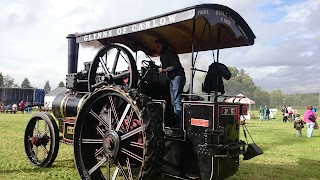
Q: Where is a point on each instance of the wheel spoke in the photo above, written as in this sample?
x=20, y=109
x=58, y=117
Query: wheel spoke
x=95, y=167
x=108, y=170
x=102, y=121
x=121, y=75
x=36, y=127
x=35, y=150
x=109, y=117
x=125, y=59
x=123, y=116
x=131, y=133
x=135, y=144
x=92, y=141
x=123, y=171
x=115, y=173
x=44, y=149
x=104, y=67
x=131, y=154
x=45, y=132
x=100, y=131
x=99, y=151
x=115, y=62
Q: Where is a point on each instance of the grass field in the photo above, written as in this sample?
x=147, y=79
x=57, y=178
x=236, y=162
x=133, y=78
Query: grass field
x=285, y=156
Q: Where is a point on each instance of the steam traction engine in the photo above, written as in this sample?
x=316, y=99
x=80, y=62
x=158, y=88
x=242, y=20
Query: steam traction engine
x=118, y=117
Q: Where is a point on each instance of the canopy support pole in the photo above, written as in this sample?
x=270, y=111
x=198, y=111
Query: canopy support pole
x=192, y=58
x=217, y=89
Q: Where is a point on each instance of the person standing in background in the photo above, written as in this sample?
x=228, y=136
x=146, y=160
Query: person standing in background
x=290, y=112
x=314, y=109
x=266, y=113
x=298, y=125
x=310, y=124
x=261, y=111
x=284, y=111
x=22, y=106
x=14, y=108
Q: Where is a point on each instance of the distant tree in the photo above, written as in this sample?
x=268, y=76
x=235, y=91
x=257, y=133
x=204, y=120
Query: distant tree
x=61, y=84
x=240, y=82
x=47, y=87
x=261, y=97
x=26, y=83
x=8, y=81
x=276, y=98
x=16, y=85
x=1, y=80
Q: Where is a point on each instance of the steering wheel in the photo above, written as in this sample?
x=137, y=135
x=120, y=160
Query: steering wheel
x=149, y=64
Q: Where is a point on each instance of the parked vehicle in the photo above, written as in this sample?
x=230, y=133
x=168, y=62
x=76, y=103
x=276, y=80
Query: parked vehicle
x=116, y=116
x=32, y=96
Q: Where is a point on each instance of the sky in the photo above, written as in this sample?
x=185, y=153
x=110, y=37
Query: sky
x=285, y=56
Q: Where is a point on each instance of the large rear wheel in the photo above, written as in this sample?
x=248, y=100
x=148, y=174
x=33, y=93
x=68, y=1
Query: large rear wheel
x=117, y=134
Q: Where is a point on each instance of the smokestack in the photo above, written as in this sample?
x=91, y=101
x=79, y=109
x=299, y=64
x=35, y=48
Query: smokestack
x=73, y=50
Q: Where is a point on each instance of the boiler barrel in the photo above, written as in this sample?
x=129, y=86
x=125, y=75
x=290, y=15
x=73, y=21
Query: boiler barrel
x=67, y=105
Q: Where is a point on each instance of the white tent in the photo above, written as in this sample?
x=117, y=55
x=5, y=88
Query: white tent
x=240, y=98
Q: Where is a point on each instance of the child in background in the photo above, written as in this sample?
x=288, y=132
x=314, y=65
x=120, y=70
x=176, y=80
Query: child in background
x=298, y=125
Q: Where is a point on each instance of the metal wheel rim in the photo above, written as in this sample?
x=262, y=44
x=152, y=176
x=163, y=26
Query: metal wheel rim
x=127, y=161
x=39, y=137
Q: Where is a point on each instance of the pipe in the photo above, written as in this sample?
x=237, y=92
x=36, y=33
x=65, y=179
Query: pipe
x=73, y=50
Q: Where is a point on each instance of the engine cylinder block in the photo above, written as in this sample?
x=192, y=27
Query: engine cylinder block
x=67, y=105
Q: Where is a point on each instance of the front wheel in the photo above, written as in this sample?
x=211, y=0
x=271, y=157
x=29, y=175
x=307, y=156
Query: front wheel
x=41, y=139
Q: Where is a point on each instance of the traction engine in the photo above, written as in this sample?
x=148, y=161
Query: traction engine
x=118, y=118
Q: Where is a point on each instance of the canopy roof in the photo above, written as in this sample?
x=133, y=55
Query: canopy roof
x=214, y=26
x=240, y=99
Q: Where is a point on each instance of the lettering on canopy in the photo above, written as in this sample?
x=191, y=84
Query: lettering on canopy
x=215, y=16
x=226, y=18
x=158, y=22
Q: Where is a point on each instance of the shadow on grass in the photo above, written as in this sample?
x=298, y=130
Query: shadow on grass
x=299, y=170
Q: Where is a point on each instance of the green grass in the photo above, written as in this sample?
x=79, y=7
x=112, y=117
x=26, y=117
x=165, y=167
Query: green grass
x=285, y=156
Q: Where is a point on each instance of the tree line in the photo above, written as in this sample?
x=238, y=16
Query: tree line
x=241, y=82
x=8, y=81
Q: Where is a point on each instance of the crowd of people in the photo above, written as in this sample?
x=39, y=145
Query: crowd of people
x=309, y=119
x=264, y=113
x=288, y=113
x=21, y=106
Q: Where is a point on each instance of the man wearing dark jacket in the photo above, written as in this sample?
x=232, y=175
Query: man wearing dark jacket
x=175, y=72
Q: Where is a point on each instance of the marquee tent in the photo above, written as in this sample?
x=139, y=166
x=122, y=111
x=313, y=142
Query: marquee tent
x=240, y=97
